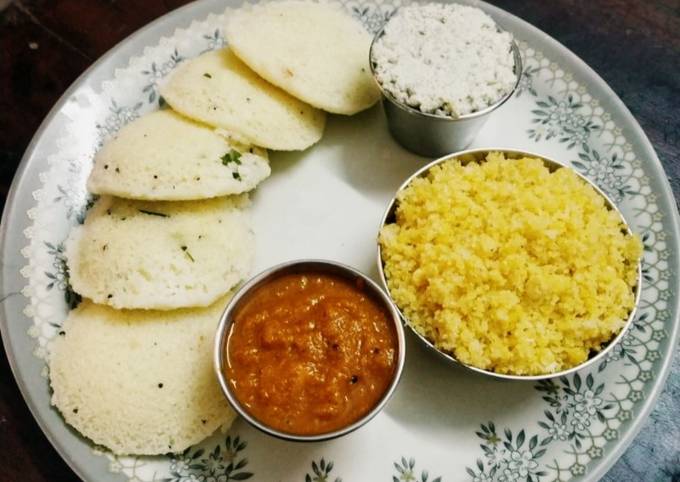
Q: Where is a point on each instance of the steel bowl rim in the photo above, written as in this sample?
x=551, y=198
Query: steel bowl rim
x=450, y=357
x=224, y=325
x=517, y=57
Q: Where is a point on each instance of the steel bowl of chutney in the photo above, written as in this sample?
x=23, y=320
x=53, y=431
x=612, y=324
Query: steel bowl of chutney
x=309, y=350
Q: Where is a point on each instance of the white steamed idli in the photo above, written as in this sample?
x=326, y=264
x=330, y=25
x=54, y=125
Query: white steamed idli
x=314, y=51
x=137, y=381
x=160, y=255
x=164, y=156
x=218, y=89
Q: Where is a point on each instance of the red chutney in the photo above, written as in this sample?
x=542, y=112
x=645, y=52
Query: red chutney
x=311, y=353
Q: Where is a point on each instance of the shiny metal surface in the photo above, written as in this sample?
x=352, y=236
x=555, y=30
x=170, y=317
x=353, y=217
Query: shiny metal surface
x=478, y=155
x=433, y=135
x=303, y=266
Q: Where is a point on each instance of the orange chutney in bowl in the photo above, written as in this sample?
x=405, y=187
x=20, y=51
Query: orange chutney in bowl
x=310, y=353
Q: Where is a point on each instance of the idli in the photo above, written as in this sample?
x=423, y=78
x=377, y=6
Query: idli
x=160, y=255
x=220, y=90
x=137, y=381
x=163, y=156
x=314, y=51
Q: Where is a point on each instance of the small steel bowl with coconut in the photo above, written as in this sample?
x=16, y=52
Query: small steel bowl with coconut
x=510, y=263
x=309, y=350
x=443, y=69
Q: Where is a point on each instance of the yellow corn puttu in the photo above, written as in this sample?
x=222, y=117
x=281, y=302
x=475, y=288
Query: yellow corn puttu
x=508, y=266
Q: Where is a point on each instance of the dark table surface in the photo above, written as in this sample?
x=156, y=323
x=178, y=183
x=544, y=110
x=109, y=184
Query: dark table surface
x=44, y=45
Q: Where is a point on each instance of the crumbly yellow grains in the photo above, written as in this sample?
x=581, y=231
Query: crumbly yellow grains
x=508, y=266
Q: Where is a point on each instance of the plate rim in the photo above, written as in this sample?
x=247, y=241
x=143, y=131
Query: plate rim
x=20, y=177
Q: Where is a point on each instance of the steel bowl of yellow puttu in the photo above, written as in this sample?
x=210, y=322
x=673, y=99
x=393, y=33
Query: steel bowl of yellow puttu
x=510, y=263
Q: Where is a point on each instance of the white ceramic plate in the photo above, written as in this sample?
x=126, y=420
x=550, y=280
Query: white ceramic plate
x=443, y=423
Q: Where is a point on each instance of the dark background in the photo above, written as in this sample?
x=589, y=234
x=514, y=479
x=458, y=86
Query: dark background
x=44, y=45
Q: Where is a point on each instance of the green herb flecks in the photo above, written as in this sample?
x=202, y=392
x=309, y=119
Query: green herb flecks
x=154, y=213
x=186, y=251
x=231, y=156
x=207, y=75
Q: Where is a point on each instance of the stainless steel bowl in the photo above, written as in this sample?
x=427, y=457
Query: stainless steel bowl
x=303, y=266
x=478, y=155
x=433, y=135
